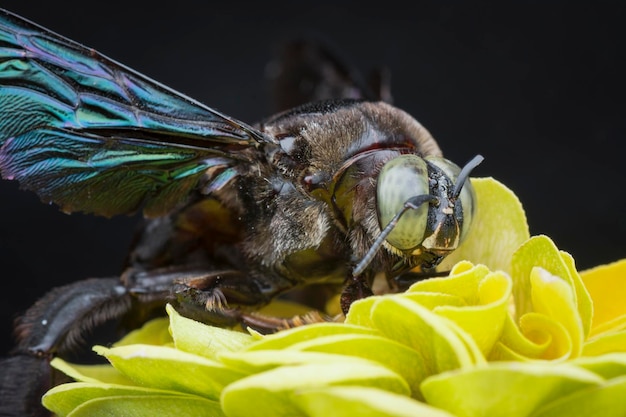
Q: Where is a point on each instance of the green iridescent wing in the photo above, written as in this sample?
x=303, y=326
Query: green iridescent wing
x=92, y=135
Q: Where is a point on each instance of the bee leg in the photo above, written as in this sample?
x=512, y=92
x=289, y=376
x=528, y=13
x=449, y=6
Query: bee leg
x=356, y=288
x=404, y=281
x=220, y=298
x=53, y=326
x=268, y=324
x=186, y=287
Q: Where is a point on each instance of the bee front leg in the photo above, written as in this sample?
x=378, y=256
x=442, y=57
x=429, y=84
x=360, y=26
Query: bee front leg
x=216, y=297
x=231, y=297
x=356, y=287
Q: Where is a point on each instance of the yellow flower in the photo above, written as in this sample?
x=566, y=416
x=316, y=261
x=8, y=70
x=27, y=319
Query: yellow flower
x=514, y=330
x=605, y=285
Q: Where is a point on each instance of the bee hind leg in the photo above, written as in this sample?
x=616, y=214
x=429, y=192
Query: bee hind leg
x=54, y=326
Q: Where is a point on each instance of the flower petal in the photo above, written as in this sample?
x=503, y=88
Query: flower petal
x=349, y=401
x=514, y=345
x=607, y=286
x=271, y=393
x=208, y=341
x=555, y=298
x=541, y=251
x=256, y=361
x=405, y=361
x=552, y=330
x=462, y=282
x=148, y=406
x=437, y=339
x=153, y=332
x=289, y=337
x=485, y=297
x=608, y=366
x=606, y=400
x=606, y=342
x=170, y=369
x=91, y=373
x=550, y=336
x=505, y=388
x=63, y=399
x=583, y=298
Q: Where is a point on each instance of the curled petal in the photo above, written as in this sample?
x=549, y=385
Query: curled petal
x=555, y=298
x=476, y=299
x=462, y=282
x=442, y=344
x=515, y=346
x=540, y=251
x=549, y=336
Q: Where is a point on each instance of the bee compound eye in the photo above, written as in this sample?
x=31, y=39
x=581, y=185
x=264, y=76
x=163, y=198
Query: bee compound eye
x=401, y=178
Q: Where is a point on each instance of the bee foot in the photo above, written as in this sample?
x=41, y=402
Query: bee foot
x=356, y=289
x=216, y=301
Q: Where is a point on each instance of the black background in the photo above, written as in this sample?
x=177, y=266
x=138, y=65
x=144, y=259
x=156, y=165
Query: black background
x=535, y=87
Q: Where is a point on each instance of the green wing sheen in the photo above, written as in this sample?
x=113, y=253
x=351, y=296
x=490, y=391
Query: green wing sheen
x=92, y=135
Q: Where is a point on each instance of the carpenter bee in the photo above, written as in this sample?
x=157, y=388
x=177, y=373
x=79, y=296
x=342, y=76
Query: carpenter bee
x=330, y=193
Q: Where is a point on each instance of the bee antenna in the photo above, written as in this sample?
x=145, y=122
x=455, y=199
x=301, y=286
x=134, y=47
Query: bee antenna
x=412, y=203
x=464, y=174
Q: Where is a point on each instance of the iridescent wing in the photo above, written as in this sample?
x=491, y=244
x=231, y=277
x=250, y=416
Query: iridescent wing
x=92, y=135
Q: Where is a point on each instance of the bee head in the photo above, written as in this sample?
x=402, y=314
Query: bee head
x=425, y=205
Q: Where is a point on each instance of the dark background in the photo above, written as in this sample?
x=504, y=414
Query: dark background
x=537, y=88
